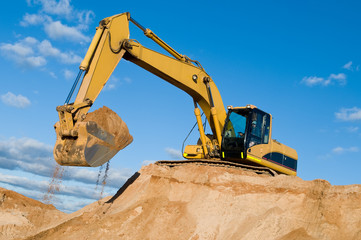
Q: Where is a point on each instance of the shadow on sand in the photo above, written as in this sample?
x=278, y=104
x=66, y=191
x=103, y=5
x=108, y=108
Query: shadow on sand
x=124, y=187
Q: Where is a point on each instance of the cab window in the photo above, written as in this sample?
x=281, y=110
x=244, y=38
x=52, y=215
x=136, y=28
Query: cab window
x=265, y=128
x=259, y=128
x=236, y=125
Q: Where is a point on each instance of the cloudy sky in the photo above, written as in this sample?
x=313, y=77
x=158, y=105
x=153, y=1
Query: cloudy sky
x=299, y=62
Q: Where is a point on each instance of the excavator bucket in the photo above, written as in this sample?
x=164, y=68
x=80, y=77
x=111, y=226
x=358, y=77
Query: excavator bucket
x=100, y=136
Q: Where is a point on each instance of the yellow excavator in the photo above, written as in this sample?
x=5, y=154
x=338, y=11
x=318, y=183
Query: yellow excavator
x=240, y=136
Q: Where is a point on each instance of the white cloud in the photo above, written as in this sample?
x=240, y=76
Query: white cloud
x=46, y=49
x=313, y=80
x=71, y=206
x=111, y=83
x=30, y=40
x=61, y=7
x=35, y=53
x=53, y=75
x=33, y=19
x=352, y=129
x=69, y=74
x=348, y=65
x=79, y=191
x=349, y=114
x=57, y=30
x=109, y=86
x=42, y=186
x=22, y=52
x=39, y=190
x=17, y=49
x=340, y=78
x=127, y=79
x=351, y=66
x=115, y=178
x=174, y=153
x=85, y=18
x=35, y=157
x=70, y=58
x=34, y=61
x=341, y=150
x=24, y=149
x=18, y=101
x=20, y=182
x=29, y=52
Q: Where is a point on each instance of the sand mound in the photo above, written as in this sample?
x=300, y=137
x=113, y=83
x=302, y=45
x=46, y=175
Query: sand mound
x=21, y=216
x=202, y=202
x=113, y=124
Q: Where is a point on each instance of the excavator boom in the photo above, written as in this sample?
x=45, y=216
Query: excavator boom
x=84, y=142
x=87, y=143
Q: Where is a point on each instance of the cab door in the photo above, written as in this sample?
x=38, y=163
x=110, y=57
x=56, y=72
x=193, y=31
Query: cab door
x=234, y=135
x=258, y=133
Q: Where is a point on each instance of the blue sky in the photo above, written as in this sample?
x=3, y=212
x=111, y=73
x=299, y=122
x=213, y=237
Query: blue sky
x=298, y=61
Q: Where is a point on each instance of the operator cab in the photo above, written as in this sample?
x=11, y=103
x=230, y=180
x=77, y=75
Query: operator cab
x=247, y=139
x=244, y=128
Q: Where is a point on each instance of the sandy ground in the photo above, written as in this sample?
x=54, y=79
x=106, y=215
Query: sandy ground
x=202, y=202
x=21, y=216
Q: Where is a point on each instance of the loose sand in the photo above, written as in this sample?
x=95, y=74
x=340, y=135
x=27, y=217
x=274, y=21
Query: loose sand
x=21, y=216
x=203, y=202
x=113, y=124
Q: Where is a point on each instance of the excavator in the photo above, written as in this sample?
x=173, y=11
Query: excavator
x=241, y=135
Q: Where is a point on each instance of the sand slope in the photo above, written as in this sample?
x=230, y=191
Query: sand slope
x=21, y=216
x=202, y=202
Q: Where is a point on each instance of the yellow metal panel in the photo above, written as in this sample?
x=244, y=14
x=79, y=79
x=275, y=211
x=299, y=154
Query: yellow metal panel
x=254, y=159
x=193, y=152
x=271, y=165
x=105, y=59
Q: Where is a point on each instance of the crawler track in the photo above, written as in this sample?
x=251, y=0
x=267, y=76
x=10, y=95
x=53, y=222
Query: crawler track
x=256, y=169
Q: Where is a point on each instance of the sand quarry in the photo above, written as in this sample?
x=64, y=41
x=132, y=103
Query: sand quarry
x=195, y=202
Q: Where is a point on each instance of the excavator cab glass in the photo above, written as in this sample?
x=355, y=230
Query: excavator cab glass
x=243, y=129
x=234, y=134
x=259, y=130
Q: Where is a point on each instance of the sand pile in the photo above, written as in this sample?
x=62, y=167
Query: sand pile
x=21, y=216
x=113, y=124
x=202, y=202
